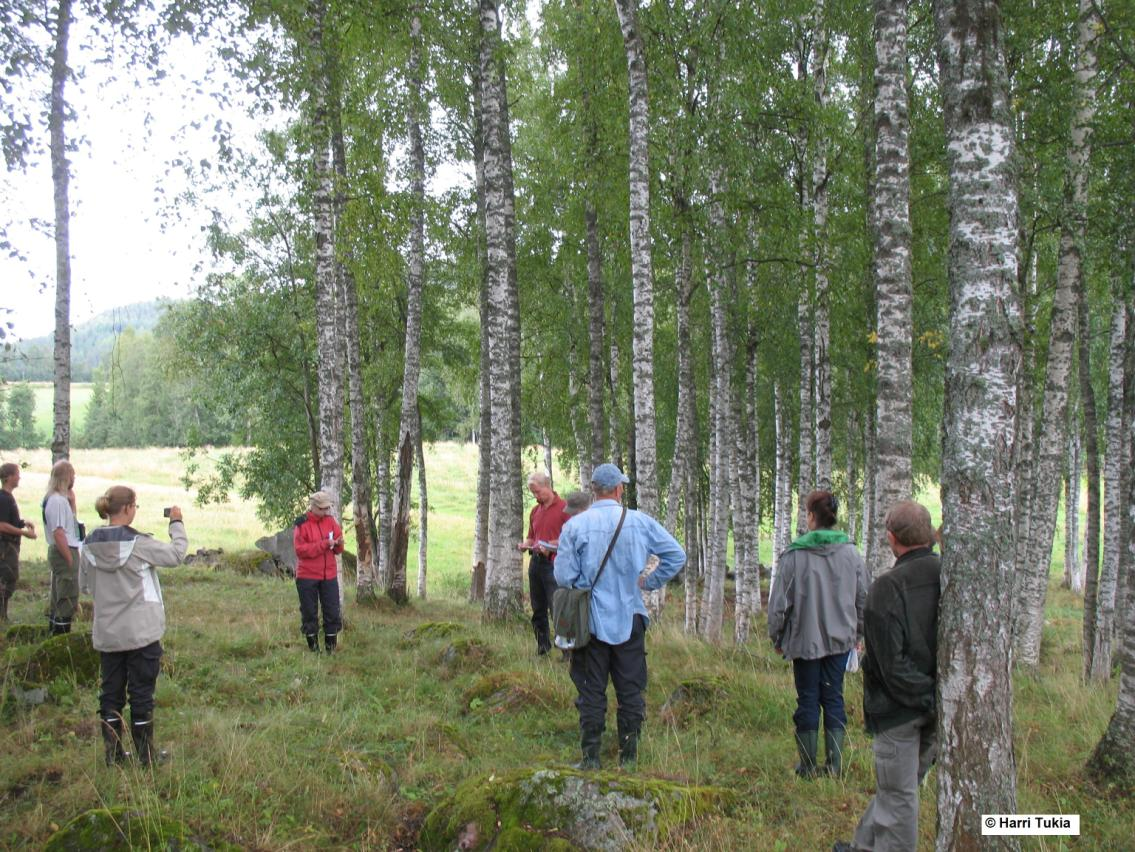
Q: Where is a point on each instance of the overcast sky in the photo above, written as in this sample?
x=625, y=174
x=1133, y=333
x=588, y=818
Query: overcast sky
x=128, y=243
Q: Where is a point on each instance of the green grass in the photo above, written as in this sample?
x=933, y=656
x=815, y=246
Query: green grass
x=45, y=402
x=274, y=748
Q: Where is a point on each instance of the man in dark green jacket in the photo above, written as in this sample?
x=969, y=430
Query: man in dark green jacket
x=899, y=679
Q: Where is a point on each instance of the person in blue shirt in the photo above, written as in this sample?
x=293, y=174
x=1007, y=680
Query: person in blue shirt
x=617, y=648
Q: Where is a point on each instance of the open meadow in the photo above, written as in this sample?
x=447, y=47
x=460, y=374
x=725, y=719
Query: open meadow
x=275, y=748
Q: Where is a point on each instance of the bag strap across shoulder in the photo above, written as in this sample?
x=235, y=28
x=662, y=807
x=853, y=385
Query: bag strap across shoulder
x=610, y=547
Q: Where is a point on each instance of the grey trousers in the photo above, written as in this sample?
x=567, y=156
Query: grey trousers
x=903, y=756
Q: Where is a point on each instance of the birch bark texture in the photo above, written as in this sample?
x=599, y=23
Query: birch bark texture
x=61, y=182
x=977, y=770
x=821, y=360
x=484, y=459
x=891, y=243
x=503, y=564
x=1050, y=441
x=327, y=304
x=642, y=271
x=415, y=283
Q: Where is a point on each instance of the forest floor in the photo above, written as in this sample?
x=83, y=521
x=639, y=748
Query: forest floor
x=276, y=748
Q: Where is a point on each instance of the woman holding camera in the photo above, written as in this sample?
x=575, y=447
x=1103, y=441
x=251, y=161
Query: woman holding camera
x=119, y=568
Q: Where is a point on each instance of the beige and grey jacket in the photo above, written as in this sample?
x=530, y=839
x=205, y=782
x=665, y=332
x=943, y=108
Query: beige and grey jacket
x=118, y=568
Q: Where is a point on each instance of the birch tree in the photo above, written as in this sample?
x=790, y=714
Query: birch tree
x=484, y=444
x=407, y=428
x=503, y=565
x=1050, y=442
x=642, y=271
x=977, y=770
x=821, y=358
x=61, y=182
x=891, y=238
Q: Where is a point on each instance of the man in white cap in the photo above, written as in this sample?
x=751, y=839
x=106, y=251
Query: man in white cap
x=618, y=616
x=318, y=539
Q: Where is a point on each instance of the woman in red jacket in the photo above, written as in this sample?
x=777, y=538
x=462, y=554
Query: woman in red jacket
x=318, y=539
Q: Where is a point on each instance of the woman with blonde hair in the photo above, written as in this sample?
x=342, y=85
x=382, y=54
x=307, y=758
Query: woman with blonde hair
x=119, y=569
x=61, y=529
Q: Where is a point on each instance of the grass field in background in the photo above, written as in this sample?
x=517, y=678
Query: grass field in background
x=45, y=402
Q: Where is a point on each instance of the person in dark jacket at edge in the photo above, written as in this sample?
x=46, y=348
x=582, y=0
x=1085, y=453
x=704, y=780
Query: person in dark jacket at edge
x=318, y=539
x=815, y=619
x=899, y=681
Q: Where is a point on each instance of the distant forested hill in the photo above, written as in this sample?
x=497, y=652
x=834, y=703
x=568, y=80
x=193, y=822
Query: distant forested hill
x=31, y=360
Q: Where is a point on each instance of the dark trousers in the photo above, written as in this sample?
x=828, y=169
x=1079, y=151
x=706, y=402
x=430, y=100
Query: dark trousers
x=819, y=683
x=541, y=588
x=316, y=594
x=134, y=672
x=625, y=664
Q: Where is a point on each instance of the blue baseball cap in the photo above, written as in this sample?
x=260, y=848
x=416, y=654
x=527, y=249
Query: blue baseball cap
x=607, y=476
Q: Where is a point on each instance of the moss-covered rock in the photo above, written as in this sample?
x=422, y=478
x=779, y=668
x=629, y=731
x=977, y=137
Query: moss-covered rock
x=124, y=829
x=431, y=630
x=693, y=698
x=565, y=809
x=503, y=691
x=463, y=654
x=67, y=655
x=244, y=562
x=25, y=634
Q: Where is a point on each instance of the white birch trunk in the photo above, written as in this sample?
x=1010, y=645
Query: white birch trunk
x=783, y=508
x=1034, y=574
x=595, y=350
x=891, y=233
x=503, y=566
x=484, y=460
x=684, y=440
x=423, y=513
x=614, y=450
x=61, y=181
x=977, y=769
x=382, y=497
x=1114, y=548
x=821, y=361
x=1073, y=565
x=642, y=274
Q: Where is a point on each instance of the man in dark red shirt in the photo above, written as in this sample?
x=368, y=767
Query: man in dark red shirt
x=544, y=525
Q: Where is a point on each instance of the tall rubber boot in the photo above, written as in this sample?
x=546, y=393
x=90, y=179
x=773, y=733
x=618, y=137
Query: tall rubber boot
x=806, y=742
x=142, y=731
x=589, y=741
x=329, y=640
x=4, y=609
x=628, y=746
x=312, y=641
x=114, y=753
x=833, y=752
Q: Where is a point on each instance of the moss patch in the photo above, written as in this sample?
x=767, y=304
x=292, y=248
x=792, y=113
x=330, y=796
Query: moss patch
x=246, y=562
x=431, y=630
x=562, y=808
x=464, y=654
x=124, y=829
x=693, y=698
x=67, y=655
x=25, y=634
x=503, y=691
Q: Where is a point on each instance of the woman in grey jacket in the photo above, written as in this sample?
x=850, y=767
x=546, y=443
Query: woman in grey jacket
x=815, y=618
x=118, y=567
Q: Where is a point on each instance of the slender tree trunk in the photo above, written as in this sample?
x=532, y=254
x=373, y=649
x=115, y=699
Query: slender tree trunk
x=891, y=233
x=1034, y=574
x=1113, y=760
x=61, y=180
x=1092, y=467
x=822, y=383
x=1073, y=567
x=746, y=500
x=977, y=770
x=684, y=447
x=615, y=451
x=872, y=525
x=595, y=349
x=423, y=511
x=328, y=305
x=503, y=567
x=1108, y=592
x=484, y=459
x=692, y=571
x=782, y=508
x=642, y=274
x=382, y=495
x=415, y=284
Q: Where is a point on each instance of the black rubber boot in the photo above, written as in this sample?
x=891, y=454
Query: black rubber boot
x=312, y=642
x=833, y=752
x=628, y=746
x=590, y=740
x=143, y=734
x=114, y=753
x=329, y=640
x=806, y=742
